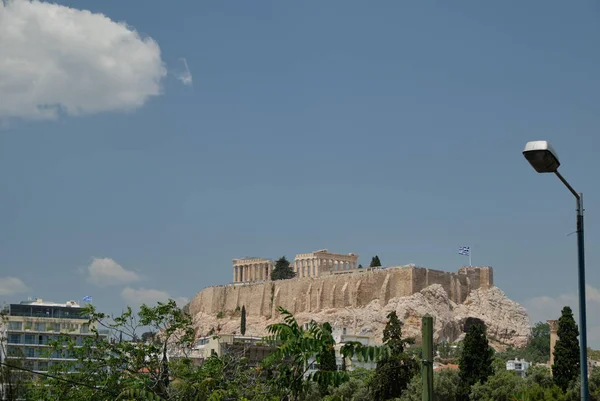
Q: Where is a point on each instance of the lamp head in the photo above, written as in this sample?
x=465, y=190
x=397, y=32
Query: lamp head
x=542, y=156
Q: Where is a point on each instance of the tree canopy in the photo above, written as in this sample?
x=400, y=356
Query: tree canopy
x=375, y=262
x=393, y=372
x=282, y=270
x=475, y=361
x=566, y=350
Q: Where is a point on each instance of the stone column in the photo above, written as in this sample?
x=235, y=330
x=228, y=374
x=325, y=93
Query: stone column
x=553, y=337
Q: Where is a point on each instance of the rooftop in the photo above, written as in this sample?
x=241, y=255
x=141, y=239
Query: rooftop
x=40, y=302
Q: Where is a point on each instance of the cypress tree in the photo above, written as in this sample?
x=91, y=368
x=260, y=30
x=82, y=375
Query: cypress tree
x=282, y=270
x=243, y=321
x=566, y=350
x=393, y=373
x=475, y=361
x=375, y=262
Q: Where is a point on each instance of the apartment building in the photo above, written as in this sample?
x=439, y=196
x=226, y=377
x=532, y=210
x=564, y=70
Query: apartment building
x=28, y=329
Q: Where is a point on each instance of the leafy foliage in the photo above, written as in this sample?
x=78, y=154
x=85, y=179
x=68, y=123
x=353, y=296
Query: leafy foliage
x=537, y=349
x=375, y=262
x=243, y=321
x=475, y=362
x=394, y=372
x=300, y=349
x=282, y=270
x=566, y=350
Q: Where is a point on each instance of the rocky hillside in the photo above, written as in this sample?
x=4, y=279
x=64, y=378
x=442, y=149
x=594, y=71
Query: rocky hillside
x=506, y=320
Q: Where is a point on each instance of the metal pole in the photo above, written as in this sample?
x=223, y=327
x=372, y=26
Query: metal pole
x=427, y=366
x=581, y=273
x=582, y=311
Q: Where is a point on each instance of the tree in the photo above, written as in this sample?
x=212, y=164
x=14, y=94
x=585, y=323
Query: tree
x=445, y=382
x=475, y=362
x=375, y=262
x=566, y=350
x=120, y=367
x=243, y=321
x=539, y=344
x=501, y=386
x=360, y=266
x=298, y=349
x=282, y=270
x=394, y=372
x=148, y=336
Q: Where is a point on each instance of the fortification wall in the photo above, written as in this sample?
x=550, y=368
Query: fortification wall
x=354, y=289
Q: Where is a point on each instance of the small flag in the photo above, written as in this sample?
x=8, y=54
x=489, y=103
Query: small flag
x=464, y=250
x=87, y=298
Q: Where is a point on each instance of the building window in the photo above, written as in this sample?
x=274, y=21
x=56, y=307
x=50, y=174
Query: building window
x=43, y=366
x=14, y=339
x=29, y=339
x=15, y=325
x=40, y=326
x=29, y=352
x=15, y=351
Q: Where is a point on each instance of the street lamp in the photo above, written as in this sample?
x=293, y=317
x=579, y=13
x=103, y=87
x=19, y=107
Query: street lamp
x=543, y=159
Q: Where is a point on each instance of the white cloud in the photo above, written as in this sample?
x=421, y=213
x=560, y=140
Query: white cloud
x=12, y=285
x=548, y=308
x=105, y=271
x=184, y=76
x=55, y=58
x=136, y=297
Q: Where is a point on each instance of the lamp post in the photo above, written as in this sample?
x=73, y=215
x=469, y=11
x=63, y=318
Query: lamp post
x=543, y=159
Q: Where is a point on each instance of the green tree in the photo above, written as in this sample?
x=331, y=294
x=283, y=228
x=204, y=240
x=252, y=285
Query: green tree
x=299, y=349
x=375, y=262
x=120, y=367
x=360, y=266
x=475, y=362
x=445, y=385
x=394, y=372
x=503, y=385
x=282, y=270
x=243, y=321
x=566, y=350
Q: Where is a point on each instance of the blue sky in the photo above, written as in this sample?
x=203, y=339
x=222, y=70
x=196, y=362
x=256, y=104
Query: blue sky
x=393, y=129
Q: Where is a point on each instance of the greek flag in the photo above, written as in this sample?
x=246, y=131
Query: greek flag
x=87, y=298
x=464, y=250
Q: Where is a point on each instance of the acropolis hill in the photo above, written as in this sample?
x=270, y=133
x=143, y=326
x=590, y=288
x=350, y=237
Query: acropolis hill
x=360, y=298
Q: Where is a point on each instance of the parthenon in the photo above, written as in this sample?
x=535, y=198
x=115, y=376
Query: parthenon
x=313, y=264
x=251, y=269
x=322, y=262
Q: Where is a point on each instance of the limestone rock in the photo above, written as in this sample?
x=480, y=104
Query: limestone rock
x=507, y=322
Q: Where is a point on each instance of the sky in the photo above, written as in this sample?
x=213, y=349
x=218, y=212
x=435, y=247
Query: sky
x=145, y=144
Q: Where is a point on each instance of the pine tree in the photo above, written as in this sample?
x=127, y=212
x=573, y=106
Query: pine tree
x=375, y=262
x=393, y=373
x=475, y=361
x=243, y=321
x=282, y=270
x=566, y=350
x=360, y=266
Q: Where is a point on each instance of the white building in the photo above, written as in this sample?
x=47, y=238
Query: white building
x=518, y=365
x=31, y=326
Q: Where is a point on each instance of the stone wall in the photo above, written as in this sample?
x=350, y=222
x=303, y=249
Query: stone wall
x=353, y=289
